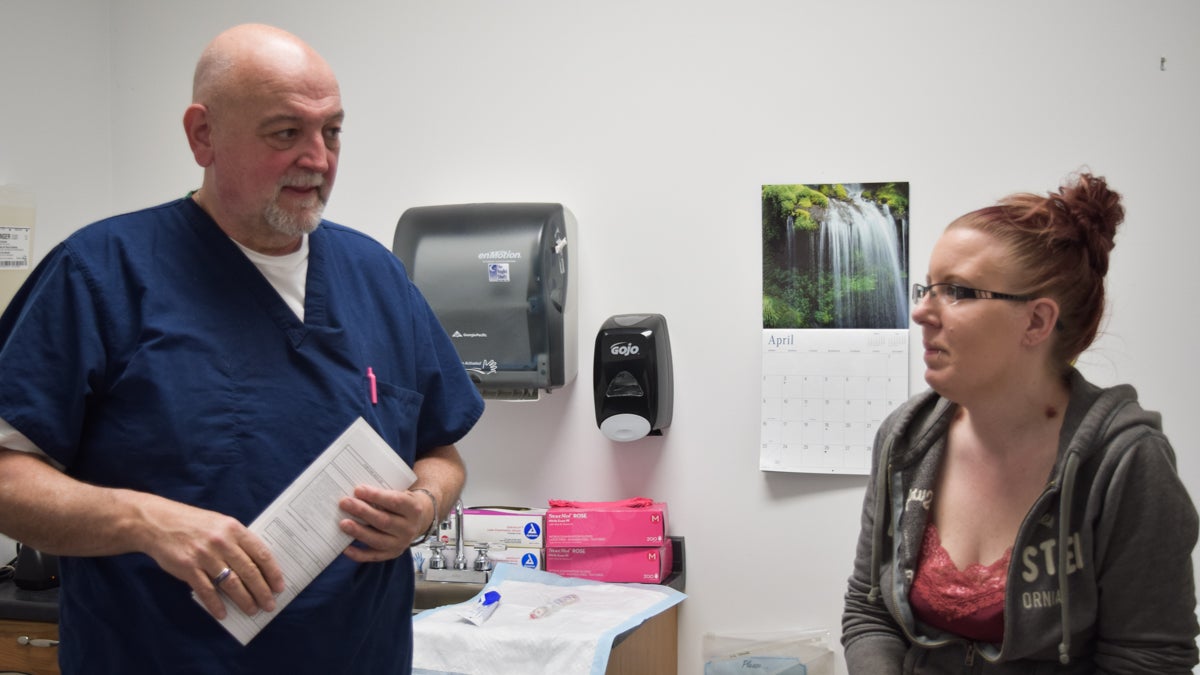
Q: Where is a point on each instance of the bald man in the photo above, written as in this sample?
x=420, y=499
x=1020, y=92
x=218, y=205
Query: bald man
x=168, y=372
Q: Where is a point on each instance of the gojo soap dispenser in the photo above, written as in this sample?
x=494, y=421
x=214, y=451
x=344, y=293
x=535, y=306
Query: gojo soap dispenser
x=632, y=376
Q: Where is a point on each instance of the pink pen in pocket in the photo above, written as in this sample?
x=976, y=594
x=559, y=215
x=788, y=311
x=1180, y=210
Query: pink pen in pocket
x=371, y=380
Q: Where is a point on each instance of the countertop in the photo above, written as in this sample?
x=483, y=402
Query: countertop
x=25, y=605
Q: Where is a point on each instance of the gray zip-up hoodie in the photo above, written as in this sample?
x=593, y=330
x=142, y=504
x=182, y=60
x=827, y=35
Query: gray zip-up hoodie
x=1101, y=573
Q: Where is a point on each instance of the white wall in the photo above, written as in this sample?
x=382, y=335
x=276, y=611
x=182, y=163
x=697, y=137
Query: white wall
x=656, y=124
x=55, y=118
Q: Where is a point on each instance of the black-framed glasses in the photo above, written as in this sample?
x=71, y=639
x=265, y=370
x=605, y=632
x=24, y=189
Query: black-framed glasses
x=948, y=294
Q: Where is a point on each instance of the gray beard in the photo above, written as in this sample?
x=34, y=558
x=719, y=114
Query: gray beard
x=292, y=224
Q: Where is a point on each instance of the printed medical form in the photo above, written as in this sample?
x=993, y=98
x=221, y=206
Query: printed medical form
x=301, y=525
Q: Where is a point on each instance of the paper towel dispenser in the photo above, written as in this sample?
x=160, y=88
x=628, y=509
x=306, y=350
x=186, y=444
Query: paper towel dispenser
x=503, y=285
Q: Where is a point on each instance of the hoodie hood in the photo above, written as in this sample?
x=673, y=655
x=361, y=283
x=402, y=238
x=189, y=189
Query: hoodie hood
x=1096, y=416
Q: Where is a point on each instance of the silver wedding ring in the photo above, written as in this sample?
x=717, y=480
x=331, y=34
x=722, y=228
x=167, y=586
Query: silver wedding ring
x=222, y=576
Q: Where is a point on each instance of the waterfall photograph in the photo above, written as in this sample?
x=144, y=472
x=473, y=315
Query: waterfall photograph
x=835, y=255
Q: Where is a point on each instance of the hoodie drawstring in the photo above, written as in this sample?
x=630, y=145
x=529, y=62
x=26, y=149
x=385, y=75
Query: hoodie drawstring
x=1066, y=498
x=882, y=475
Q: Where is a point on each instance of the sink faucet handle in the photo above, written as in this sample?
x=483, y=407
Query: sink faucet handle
x=482, y=562
x=437, y=561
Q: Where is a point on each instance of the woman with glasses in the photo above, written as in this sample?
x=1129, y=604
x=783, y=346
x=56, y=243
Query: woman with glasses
x=1019, y=518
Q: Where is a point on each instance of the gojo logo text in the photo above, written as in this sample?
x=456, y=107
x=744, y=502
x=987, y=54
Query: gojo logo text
x=624, y=349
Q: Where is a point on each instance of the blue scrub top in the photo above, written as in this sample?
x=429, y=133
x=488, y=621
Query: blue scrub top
x=147, y=352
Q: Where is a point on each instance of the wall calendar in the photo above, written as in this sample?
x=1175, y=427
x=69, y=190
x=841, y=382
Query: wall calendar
x=824, y=394
x=835, y=322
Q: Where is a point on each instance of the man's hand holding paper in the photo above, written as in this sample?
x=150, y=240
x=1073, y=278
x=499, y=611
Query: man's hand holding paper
x=196, y=546
x=384, y=522
x=306, y=528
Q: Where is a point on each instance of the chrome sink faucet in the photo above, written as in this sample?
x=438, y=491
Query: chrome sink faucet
x=441, y=569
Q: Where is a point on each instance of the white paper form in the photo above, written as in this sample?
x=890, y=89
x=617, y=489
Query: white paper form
x=301, y=525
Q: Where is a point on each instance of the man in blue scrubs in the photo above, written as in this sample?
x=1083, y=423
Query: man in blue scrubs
x=167, y=373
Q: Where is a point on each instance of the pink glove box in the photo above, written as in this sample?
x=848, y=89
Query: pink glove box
x=607, y=524
x=622, y=564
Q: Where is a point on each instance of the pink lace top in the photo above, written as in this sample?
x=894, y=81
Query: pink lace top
x=969, y=602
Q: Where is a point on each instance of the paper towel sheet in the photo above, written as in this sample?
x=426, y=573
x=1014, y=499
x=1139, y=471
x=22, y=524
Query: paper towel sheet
x=574, y=639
